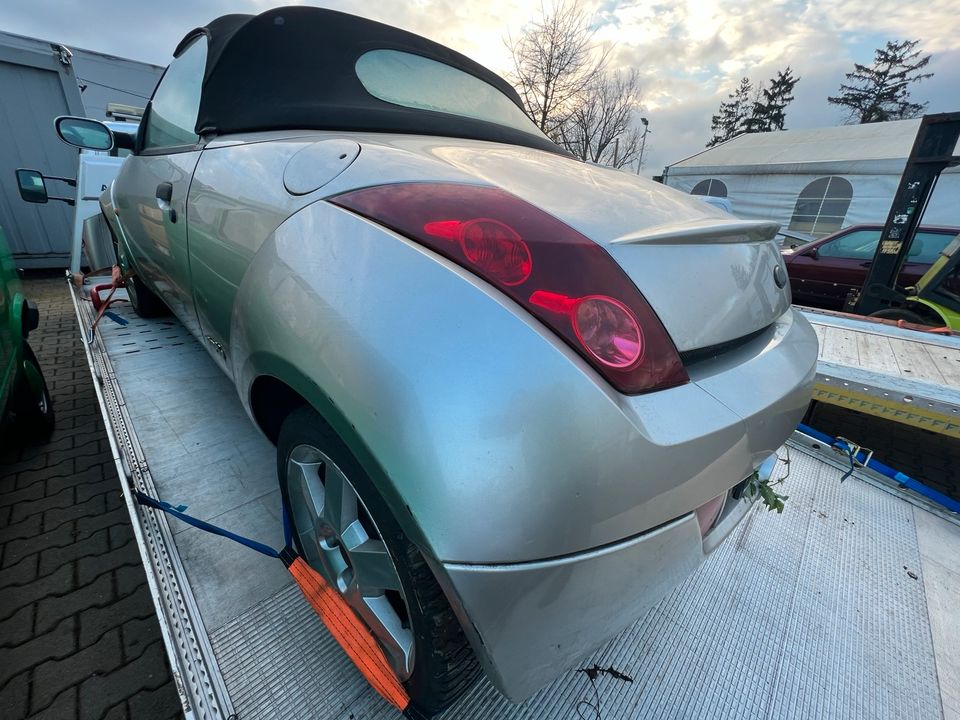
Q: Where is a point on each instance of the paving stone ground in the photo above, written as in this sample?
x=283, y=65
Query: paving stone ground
x=78, y=634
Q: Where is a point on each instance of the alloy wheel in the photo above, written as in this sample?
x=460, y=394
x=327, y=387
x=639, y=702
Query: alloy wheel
x=340, y=540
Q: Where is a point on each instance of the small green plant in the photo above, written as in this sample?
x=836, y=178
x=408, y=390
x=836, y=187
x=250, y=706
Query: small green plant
x=765, y=488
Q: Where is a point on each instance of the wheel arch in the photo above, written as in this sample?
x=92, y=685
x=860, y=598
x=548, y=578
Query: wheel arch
x=271, y=402
x=279, y=387
x=29, y=316
x=930, y=308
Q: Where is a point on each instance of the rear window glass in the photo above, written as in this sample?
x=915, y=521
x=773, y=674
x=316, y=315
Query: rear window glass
x=417, y=82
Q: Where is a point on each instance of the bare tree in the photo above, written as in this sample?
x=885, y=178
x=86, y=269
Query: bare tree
x=560, y=74
x=554, y=62
x=600, y=127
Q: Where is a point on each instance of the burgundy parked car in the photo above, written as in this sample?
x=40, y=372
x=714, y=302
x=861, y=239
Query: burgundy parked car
x=823, y=271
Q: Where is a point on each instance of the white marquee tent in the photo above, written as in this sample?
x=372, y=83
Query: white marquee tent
x=815, y=181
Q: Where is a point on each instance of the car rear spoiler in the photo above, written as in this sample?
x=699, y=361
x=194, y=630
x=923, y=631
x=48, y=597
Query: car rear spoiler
x=704, y=230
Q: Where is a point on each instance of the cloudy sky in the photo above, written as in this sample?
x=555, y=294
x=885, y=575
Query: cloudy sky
x=691, y=54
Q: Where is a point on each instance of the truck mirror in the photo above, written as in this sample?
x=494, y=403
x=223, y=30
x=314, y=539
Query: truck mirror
x=84, y=133
x=32, y=187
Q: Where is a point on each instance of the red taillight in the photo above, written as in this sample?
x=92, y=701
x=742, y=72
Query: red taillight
x=608, y=329
x=563, y=278
x=604, y=326
x=708, y=513
x=489, y=246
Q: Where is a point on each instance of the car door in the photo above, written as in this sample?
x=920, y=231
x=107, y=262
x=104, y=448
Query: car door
x=823, y=274
x=927, y=245
x=152, y=188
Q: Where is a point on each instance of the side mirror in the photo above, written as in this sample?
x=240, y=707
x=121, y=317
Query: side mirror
x=813, y=253
x=32, y=187
x=84, y=133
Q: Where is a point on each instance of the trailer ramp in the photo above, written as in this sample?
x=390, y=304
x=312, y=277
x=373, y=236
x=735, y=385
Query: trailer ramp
x=812, y=613
x=894, y=373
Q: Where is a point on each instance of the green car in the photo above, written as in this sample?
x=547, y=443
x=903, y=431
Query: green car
x=24, y=398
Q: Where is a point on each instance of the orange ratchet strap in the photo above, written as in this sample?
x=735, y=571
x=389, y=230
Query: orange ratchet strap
x=342, y=622
x=348, y=630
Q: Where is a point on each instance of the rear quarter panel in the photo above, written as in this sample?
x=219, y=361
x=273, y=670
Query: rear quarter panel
x=483, y=430
x=492, y=440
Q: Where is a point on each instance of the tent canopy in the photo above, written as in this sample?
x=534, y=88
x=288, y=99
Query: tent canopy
x=875, y=148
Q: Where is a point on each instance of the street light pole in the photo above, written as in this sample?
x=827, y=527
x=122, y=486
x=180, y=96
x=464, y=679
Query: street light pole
x=643, y=142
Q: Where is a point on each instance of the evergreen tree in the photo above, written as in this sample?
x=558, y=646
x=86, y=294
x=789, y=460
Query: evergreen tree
x=881, y=92
x=732, y=117
x=768, y=111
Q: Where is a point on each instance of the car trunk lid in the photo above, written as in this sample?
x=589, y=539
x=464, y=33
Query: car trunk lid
x=709, y=276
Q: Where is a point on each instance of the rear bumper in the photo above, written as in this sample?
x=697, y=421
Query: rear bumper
x=529, y=620
x=533, y=620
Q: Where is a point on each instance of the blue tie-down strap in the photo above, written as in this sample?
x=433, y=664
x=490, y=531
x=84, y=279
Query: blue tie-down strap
x=844, y=447
x=177, y=512
x=116, y=318
x=903, y=480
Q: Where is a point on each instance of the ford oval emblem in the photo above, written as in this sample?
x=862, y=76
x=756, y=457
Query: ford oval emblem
x=779, y=277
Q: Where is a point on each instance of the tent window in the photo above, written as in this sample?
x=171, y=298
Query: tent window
x=822, y=206
x=711, y=187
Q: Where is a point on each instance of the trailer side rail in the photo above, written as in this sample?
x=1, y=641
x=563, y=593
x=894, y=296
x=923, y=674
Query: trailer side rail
x=192, y=662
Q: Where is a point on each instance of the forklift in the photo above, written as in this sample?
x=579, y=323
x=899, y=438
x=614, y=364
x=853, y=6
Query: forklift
x=935, y=300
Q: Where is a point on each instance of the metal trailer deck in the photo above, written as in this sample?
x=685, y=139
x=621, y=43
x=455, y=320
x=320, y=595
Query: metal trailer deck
x=894, y=373
x=844, y=606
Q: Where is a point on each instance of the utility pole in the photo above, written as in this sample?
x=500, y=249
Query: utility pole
x=643, y=142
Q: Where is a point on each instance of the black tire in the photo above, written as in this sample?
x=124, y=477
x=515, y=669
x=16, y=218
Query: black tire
x=145, y=302
x=32, y=405
x=444, y=663
x=910, y=316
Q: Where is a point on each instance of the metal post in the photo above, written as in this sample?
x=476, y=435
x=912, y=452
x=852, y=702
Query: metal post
x=643, y=142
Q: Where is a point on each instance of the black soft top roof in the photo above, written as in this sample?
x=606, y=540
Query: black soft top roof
x=294, y=68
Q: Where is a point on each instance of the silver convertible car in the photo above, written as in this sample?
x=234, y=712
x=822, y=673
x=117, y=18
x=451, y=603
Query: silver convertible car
x=516, y=398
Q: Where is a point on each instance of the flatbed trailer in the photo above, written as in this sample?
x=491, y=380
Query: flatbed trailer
x=890, y=372
x=843, y=606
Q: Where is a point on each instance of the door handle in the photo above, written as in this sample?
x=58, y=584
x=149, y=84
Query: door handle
x=165, y=195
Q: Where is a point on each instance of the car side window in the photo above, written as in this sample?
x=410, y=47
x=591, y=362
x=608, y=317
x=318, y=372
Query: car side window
x=176, y=102
x=857, y=245
x=927, y=245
